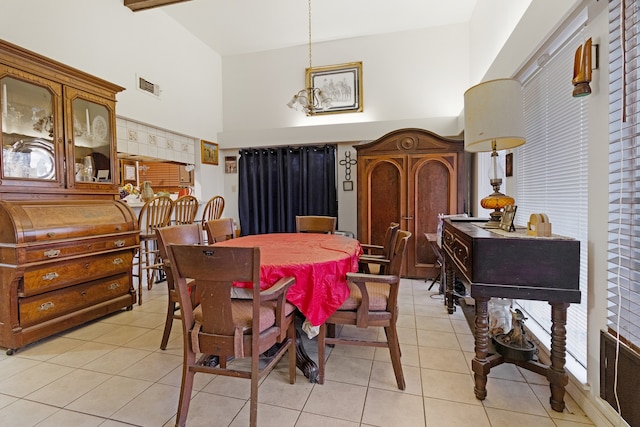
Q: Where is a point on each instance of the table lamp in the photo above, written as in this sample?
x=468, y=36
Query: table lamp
x=494, y=120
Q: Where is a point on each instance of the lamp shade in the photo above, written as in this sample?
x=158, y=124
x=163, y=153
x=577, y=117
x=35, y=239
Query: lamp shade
x=493, y=112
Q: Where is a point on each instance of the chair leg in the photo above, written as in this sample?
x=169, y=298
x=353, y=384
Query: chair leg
x=292, y=352
x=253, y=401
x=168, y=323
x=322, y=333
x=185, y=390
x=394, y=352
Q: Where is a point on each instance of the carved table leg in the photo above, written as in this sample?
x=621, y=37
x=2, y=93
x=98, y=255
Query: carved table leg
x=480, y=364
x=556, y=374
x=448, y=293
x=308, y=367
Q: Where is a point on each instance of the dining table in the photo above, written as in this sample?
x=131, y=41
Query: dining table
x=319, y=263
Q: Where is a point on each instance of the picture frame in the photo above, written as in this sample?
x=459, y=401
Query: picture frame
x=128, y=172
x=342, y=83
x=508, y=164
x=230, y=164
x=508, y=215
x=347, y=185
x=209, y=152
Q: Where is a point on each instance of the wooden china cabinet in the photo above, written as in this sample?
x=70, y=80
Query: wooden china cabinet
x=66, y=241
x=410, y=176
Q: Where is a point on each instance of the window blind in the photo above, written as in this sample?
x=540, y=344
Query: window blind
x=551, y=174
x=624, y=174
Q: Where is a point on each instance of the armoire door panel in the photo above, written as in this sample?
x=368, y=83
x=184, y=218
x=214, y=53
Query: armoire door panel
x=433, y=183
x=386, y=188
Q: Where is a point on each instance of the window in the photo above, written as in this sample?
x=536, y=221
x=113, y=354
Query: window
x=552, y=169
x=624, y=176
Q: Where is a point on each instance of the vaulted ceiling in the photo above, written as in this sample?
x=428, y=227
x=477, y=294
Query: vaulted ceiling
x=233, y=27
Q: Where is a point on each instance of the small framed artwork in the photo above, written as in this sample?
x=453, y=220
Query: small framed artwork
x=347, y=185
x=128, y=172
x=209, y=152
x=508, y=215
x=341, y=83
x=508, y=164
x=230, y=164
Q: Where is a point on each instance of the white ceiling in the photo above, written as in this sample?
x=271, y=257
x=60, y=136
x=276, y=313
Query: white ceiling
x=234, y=27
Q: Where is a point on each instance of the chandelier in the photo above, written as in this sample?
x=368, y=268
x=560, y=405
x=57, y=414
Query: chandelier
x=310, y=99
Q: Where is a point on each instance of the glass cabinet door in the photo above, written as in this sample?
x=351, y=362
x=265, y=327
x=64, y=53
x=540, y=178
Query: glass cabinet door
x=31, y=131
x=93, y=142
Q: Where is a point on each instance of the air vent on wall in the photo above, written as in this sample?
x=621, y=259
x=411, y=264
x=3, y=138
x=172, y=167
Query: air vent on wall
x=146, y=86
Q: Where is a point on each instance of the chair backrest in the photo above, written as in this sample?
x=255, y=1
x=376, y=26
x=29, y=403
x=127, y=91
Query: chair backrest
x=213, y=209
x=186, y=234
x=214, y=269
x=397, y=255
x=316, y=224
x=185, y=209
x=155, y=213
x=390, y=239
x=219, y=230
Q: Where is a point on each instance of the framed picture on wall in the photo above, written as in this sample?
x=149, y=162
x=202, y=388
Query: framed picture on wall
x=128, y=172
x=209, y=152
x=341, y=83
x=230, y=164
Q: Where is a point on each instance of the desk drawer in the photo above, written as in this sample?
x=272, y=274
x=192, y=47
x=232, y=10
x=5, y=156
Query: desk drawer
x=459, y=248
x=47, y=277
x=78, y=247
x=50, y=305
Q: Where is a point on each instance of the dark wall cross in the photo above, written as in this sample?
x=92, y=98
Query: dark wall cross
x=347, y=163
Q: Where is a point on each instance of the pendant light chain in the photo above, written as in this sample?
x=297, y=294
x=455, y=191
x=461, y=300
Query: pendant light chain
x=309, y=8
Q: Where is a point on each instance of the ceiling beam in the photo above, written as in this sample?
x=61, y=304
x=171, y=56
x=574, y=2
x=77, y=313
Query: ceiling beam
x=137, y=5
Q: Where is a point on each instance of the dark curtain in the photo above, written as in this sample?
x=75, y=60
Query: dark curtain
x=276, y=184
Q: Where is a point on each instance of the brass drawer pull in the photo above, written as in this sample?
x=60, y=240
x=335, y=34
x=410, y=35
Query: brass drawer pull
x=50, y=276
x=46, y=306
x=51, y=234
x=113, y=286
x=118, y=261
x=52, y=253
x=119, y=243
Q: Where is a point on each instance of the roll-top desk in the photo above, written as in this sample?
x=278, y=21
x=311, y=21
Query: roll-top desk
x=513, y=265
x=62, y=264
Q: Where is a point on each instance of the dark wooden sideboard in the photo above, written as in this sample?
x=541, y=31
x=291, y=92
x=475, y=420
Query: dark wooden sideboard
x=513, y=265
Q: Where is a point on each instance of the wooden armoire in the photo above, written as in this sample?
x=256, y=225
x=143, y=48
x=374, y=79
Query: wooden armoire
x=410, y=176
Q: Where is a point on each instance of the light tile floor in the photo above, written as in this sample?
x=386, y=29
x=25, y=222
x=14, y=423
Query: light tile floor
x=111, y=372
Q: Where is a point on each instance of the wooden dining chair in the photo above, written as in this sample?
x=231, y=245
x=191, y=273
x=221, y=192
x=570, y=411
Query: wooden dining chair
x=155, y=213
x=226, y=327
x=186, y=234
x=213, y=209
x=184, y=210
x=372, y=302
x=219, y=230
x=316, y=224
x=376, y=257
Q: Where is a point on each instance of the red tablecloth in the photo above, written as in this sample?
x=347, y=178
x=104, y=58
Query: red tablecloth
x=319, y=262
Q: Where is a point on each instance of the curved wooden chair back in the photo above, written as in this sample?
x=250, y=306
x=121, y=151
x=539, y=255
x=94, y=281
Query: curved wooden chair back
x=372, y=302
x=219, y=230
x=213, y=209
x=155, y=213
x=184, y=210
x=227, y=327
x=186, y=234
x=376, y=258
x=316, y=224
